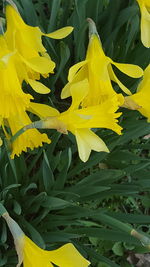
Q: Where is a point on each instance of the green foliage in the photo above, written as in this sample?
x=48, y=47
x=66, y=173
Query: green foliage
x=54, y=196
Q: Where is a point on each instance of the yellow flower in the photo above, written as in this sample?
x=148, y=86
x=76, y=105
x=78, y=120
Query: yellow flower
x=97, y=68
x=32, y=59
x=13, y=100
x=79, y=121
x=33, y=256
x=145, y=21
x=141, y=99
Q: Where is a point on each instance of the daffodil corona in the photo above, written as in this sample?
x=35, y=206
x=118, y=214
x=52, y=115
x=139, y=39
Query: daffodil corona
x=33, y=256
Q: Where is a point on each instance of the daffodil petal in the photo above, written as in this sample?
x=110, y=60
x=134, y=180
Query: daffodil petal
x=115, y=79
x=66, y=91
x=1, y=141
x=145, y=23
x=59, y=34
x=42, y=110
x=68, y=256
x=18, y=236
x=40, y=64
x=38, y=87
x=129, y=69
x=87, y=141
x=78, y=92
x=145, y=28
x=75, y=68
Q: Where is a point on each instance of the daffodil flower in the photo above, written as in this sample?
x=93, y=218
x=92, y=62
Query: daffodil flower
x=141, y=99
x=13, y=100
x=97, y=68
x=145, y=21
x=33, y=256
x=32, y=59
x=77, y=120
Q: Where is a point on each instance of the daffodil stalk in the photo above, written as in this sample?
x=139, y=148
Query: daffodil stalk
x=145, y=240
x=46, y=123
x=31, y=255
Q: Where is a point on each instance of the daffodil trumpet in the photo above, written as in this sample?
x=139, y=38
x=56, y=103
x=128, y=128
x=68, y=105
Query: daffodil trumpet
x=31, y=255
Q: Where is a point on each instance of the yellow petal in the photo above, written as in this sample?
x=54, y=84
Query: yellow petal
x=145, y=28
x=18, y=236
x=1, y=141
x=115, y=79
x=78, y=92
x=87, y=141
x=61, y=33
x=68, y=256
x=38, y=87
x=74, y=69
x=145, y=22
x=77, y=74
x=40, y=64
x=42, y=110
x=65, y=91
x=129, y=69
x=65, y=256
x=130, y=104
x=144, y=84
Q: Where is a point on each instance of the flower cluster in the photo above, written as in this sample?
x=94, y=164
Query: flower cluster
x=94, y=104
x=23, y=58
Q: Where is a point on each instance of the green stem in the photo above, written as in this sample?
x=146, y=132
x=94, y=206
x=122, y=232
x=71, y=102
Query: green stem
x=33, y=125
x=2, y=210
x=126, y=228
x=92, y=27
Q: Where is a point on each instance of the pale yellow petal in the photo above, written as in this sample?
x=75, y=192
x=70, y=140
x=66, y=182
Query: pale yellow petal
x=130, y=104
x=38, y=87
x=78, y=92
x=65, y=256
x=42, y=110
x=74, y=69
x=59, y=34
x=68, y=256
x=129, y=69
x=65, y=91
x=40, y=64
x=145, y=22
x=115, y=79
x=87, y=141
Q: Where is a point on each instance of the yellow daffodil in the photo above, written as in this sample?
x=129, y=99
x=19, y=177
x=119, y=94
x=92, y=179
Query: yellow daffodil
x=33, y=256
x=32, y=59
x=13, y=100
x=79, y=121
x=97, y=68
x=141, y=99
x=145, y=21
